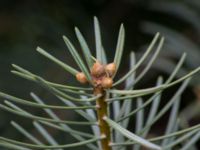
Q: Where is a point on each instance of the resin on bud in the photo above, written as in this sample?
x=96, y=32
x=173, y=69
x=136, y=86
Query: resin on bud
x=81, y=77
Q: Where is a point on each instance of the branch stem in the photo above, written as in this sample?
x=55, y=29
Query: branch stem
x=102, y=112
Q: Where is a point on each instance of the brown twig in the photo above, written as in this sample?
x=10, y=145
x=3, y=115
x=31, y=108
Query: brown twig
x=102, y=112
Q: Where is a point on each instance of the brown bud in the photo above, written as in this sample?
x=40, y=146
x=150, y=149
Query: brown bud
x=97, y=69
x=81, y=77
x=110, y=69
x=106, y=82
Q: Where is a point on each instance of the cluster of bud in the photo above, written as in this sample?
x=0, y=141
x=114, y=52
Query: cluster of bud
x=101, y=75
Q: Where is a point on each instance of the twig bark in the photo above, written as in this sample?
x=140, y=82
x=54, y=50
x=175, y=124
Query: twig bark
x=101, y=113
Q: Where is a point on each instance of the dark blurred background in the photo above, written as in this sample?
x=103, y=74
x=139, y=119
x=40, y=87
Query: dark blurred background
x=26, y=24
